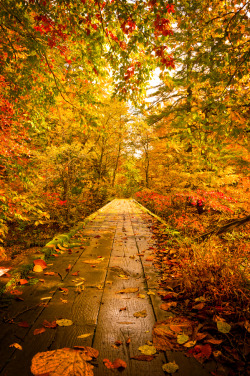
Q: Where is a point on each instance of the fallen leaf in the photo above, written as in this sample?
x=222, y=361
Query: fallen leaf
x=123, y=309
x=40, y=262
x=84, y=335
x=46, y=297
x=108, y=363
x=64, y=301
x=182, y=338
x=147, y=350
x=39, y=331
x=150, y=292
x=142, y=313
x=16, y=345
x=75, y=273
x=50, y=273
x=247, y=325
x=200, y=352
x=51, y=325
x=214, y=341
x=42, y=280
x=146, y=358
x=190, y=344
x=123, y=276
x=118, y=343
x=64, y=290
x=150, y=258
x=223, y=327
x=61, y=362
x=167, y=306
x=170, y=367
x=128, y=341
x=95, y=261
x=24, y=324
x=68, y=268
x=16, y=292
x=128, y=290
x=89, y=351
x=64, y=322
x=119, y=363
x=141, y=296
x=199, y=306
x=23, y=281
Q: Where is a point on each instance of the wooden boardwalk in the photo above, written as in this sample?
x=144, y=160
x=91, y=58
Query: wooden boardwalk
x=109, y=263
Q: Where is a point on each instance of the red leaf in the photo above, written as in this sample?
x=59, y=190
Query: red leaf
x=23, y=281
x=200, y=352
x=16, y=292
x=39, y=331
x=50, y=325
x=75, y=273
x=68, y=268
x=40, y=262
x=119, y=363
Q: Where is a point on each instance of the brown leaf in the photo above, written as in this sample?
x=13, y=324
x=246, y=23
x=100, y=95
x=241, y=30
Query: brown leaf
x=128, y=290
x=167, y=306
x=146, y=358
x=39, y=331
x=50, y=325
x=40, y=262
x=199, y=306
x=214, y=341
x=118, y=343
x=61, y=362
x=24, y=324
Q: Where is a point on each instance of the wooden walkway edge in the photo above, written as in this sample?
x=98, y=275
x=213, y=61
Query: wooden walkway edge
x=107, y=259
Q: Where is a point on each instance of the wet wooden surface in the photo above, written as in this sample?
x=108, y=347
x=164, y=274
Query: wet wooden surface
x=117, y=238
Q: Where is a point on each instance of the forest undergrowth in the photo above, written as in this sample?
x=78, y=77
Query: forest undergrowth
x=206, y=281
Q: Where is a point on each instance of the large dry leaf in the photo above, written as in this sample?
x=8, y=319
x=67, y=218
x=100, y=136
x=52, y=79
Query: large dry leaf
x=66, y=362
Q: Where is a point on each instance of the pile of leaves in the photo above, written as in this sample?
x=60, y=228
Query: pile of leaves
x=205, y=289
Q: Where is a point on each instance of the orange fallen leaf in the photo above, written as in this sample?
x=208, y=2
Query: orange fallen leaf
x=166, y=306
x=118, y=363
x=16, y=345
x=61, y=362
x=64, y=290
x=23, y=281
x=16, y=292
x=68, y=268
x=199, y=306
x=50, y=273
x=40, y=262
x=75, y=273
x=42, y=280
x=214, y=341
x=39, y=331
x=123, y=309
x=128, y=341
